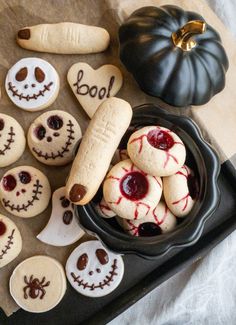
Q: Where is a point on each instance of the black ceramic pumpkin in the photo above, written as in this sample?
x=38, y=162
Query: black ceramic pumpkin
x=173, y=54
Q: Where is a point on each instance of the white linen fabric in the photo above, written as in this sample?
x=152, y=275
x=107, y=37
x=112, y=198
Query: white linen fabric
x=204, y=293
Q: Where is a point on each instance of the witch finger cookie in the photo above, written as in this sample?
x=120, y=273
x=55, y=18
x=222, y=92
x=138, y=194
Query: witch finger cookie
x=93, y=271
x=156, y=150
x=32, y=84
x=53, y=136
x=24, y=191
x=12, y=140
x=38, y=284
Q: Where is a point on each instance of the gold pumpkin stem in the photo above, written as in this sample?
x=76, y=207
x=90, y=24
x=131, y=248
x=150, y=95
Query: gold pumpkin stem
x=183, y=38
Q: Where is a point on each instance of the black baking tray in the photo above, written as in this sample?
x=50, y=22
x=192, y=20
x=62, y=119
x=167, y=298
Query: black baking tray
x=76, y=309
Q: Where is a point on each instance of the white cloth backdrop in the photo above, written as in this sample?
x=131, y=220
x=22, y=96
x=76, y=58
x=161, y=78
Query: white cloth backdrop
x=205, y=293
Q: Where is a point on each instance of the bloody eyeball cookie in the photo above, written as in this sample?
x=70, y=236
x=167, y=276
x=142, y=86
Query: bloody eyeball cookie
x=93, y=271
x=156, y=150
x=10, y=241
x=158, y=221
x=104, y=210
x=38, y=284
x=24, y=191
x=120, y=154
x=12, y=140
x=53, y=136
x=130, y=192
x=180, y=191
x=32, y=84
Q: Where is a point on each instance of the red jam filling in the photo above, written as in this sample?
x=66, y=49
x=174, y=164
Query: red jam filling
x=148, y=229
x=25, y=177
x=40, y=132
x=160, y=139
x=3, y=228
x=1, y=124
x=55, y=122
x=9, y=183
x=192, y=186
x=134, y=186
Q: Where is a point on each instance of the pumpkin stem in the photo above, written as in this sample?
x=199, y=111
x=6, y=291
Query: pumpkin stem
x=183, y=38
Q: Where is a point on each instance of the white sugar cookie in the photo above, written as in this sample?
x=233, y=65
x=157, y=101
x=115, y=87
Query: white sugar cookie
x=130, y=192
x=180, y=191
x=104, y=210
x=157, y=150
x=10, y=241
x=62, y=228
x=91, y=87
x=24, y=191
x=38, y=284
x=93, y=271
x=12, y=140
x=53, y=136
x=32, y=84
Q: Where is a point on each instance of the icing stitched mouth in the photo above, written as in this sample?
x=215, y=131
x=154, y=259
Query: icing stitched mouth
x=28, y=97
x=9, y=141
x=35, y=197
x=8, y=244
x=64, y=149
x=106, y=282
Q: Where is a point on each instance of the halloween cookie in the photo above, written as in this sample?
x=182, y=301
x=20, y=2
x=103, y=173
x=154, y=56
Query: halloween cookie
x=12, y=140
x=157, y=150
x=24, y=191
x=32, y=84
x=93, y=271
x=53, y=136
x=97, y=148
x=120, y=154
x=158, y=221
x=10, y=241
x=180, y=191
x=104, y=210
x=91, y=87
x=130, y=192
x=62, y=228
x=64, y=38
x=38, y=284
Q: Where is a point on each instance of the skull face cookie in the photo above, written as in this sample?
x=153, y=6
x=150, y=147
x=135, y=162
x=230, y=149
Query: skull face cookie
x=24, y=191
x=53, y=136
x=130, y=192
x=93, y=271
x=12, y=140
x=156, y=150
x=32, y=84
x=10, y=241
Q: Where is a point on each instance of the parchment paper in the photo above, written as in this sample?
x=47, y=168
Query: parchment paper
x=108, y=14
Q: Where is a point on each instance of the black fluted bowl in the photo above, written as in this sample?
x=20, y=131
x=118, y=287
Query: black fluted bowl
x=200, y=157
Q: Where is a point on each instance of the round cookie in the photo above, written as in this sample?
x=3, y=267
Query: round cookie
x=120, y=154
x=130, y=192
x=158, y=221
x=32, y=84
x=24, y=191
x=180, y=191
x=10, y=241
x=156, y=150
x=12, y=140
x=104, y=210
x=38, y=284
x=53, y=136
x=93, y=271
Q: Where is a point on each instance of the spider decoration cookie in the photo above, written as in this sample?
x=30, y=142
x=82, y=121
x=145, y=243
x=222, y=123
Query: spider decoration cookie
x=32, y=84
x=156, y=150
x=130, y=192
x=181, y=191
x=24, y=191
x=93, y=271
x=12, y=140
x=158, y=221
x=53, y=136
x=62, y=228
x=38, y=284
x=10, y=241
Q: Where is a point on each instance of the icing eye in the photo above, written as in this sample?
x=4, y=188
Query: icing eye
x=55, y=122
x=82, y=262
x=3, y=228
x=102, y=256
x=9, y=183
x=1, y=124
x=64, y=202
x=40, y=132
x=22, y=74
x=25, y=177
x=39, y=74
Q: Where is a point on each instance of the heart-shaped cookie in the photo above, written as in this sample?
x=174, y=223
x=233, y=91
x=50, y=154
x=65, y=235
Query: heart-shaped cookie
x=91, y=87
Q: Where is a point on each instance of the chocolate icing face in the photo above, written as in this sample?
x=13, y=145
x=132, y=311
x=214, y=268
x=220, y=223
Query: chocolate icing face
x=6, y=138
